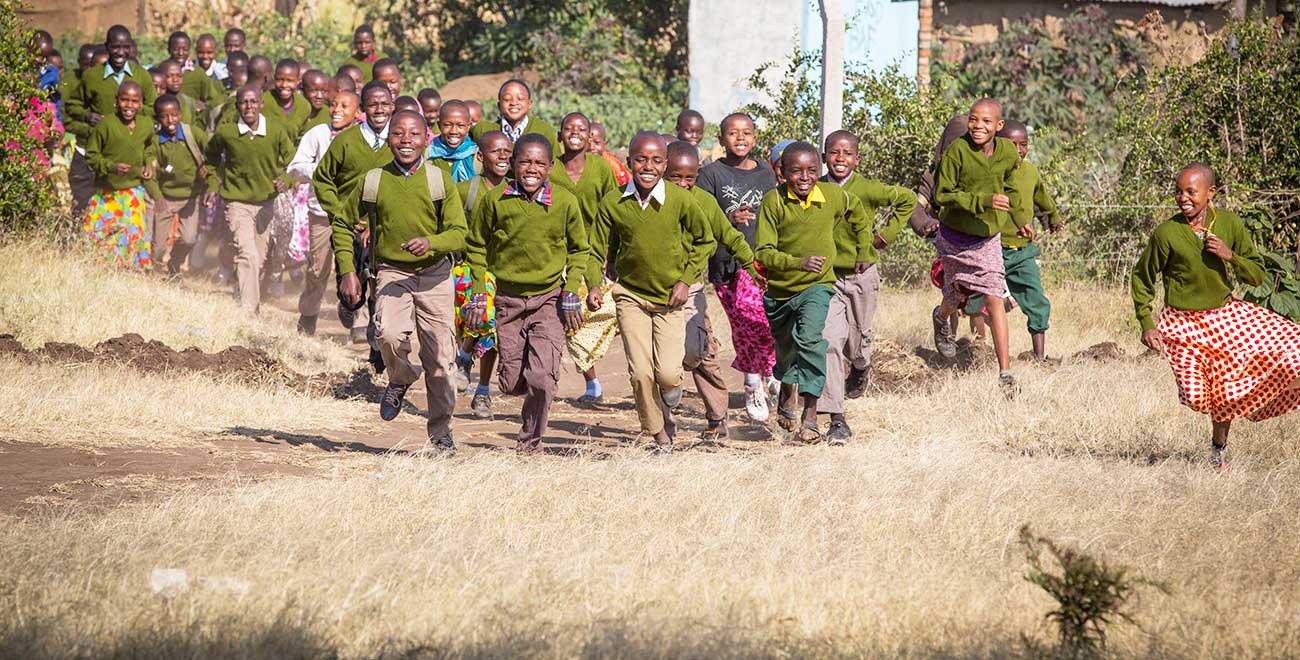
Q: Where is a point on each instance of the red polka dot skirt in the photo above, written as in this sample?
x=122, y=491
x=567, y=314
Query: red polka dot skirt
x=1239, y=360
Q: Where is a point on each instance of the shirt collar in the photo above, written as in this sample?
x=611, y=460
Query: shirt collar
x=260, y=131
x=830, y=178
x=178, y=137
x=405, y=172
x=371, y=136
x=815, y=196
x=514, y=132
x=110, y=73
x=542, y=197
x=658, y=193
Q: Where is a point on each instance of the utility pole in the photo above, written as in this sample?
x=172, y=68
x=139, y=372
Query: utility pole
x=832, y=66
x=925, y=14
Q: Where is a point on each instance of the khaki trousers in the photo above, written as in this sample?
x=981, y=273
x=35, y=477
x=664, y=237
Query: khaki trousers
x=421, y=303
x=250, y=227
x=320, y=264
x=655, y=343
x=702, y=355
x=848, y=334
x=163, y=215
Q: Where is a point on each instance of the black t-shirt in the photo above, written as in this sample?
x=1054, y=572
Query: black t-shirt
x=733, y=188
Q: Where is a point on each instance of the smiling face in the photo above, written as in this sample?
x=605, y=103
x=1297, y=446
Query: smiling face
x=169, y=117
x=205, y=51
x=841, y=157
x=453, y=124
x=531, y=165
x=179, y=48
x=690, y=129
x=801, y=169
x=119, y=49
x=286, y=83
x=496, y=151
x=1195, y=189
x=514, y=102
x=737, y=135
x=344, y=109
x=129, y=98
x=316, y=88
x=574, y=134
x=378, y=106
x=984, y=122
x=408, y=137
x=683, y=170
x=647, y=158
x=390, y=76
x=249, y=104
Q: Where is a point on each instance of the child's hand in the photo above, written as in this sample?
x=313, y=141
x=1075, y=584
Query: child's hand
x=1027, y=231
x=1218, y=248
x=350, y=287
x=147, y=172
x=743, y=215
x=678, y=297
x=281, y=186
x=417, y=246
x=210, y=199
x=1056, y=227
x=813, y=264
x=93, y=118
x=1152, y=340
x=594, y=299
x=203, y=171
x=1001, y=203
x=199, y=106
x=759, y=280
x=571, y=311
x=861, y=267
x=122, y=168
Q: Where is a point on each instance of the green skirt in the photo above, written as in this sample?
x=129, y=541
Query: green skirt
x=798, y=328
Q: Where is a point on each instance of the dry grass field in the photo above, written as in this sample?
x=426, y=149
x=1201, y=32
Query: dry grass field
x=902, y=544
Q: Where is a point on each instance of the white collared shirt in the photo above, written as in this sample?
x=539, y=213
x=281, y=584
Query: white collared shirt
x=657, y=193
x=315, y=142
x=373, y=138
x=260, y=131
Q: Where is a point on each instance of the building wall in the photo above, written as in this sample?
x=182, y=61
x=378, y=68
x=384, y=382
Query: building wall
x=83, y=16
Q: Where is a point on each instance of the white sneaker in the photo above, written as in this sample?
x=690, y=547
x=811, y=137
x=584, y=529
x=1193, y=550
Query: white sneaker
x=756, y=404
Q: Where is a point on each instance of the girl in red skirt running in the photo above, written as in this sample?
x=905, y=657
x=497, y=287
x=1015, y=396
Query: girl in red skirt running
x=1231, y=359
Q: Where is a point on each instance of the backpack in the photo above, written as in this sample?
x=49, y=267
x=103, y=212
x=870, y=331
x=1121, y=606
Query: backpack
x=471, y=195
x=188, y=135
x=370, y=194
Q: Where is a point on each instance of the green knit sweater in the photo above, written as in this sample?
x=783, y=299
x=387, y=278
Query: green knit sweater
x=527, y=246
x=95, y=93
x=294, y=120
x=404, y=211
x=249, y=166
x=341, y=169
x=111, y=142
x=1028, y=184
x=787, y=233
x=204, y=89
x=967, y=182
x=722, y=231
x=597, y=180
x=658, y=246
x=176, y=174
x=366, y=67
x=1194, y=278
x=874, y=195
x=535, y=125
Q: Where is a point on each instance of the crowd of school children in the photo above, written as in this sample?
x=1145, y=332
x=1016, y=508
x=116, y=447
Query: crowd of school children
x=510, y=242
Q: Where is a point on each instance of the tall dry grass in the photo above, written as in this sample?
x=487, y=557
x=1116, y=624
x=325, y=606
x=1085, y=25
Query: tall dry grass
x=902, y=544
x=50, y=293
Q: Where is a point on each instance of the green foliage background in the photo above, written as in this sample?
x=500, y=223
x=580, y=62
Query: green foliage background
x=24, y=199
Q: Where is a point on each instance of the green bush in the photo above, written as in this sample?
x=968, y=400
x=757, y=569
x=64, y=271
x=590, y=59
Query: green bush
x=26, y=193
x=623, y=115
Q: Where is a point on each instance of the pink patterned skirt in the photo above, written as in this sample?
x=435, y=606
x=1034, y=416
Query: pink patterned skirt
x=750, y=334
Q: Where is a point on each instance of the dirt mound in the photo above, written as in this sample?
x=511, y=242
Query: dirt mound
x=894, y=369
x=249, y=365
x=1107, y=351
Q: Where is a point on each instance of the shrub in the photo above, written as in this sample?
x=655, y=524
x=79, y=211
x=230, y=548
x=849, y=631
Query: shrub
x=26, y=193
x=623, y=115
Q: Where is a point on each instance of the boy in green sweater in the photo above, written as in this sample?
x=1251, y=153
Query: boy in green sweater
x=798, y=240
x=95, y=95
x=416, y=223
x=173, y=85
x=662, y=245
x=251, y=155
x=364, y=53
x=351, y=154
x=701, y=347
x=386, y=71
x=528, y=234
x=975, y=204
x=195, y=82
x=1019, y=254
x=181, y=180
x=514, y=101
x=853, y=307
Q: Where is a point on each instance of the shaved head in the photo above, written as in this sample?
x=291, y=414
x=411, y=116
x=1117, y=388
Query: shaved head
x=989, y=104
x=1199, y=170
x=646, y=138
x=1012, y=128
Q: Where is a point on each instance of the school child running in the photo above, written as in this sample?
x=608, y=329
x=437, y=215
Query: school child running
x=738, y=182
x=596, y=144
x=451, y=151
x=205, y=62
x=662, y=242
x=801, y=225
x=514, y=103
x=251, y=156
x=386, y=71
x=116, y=216
x=590, y=180
x=976, y=203
x=195, y=82
x=478, y=340
x=316, y=90
x=414, y=215
x=181, y=180
x=1231, y=359
x=351, y=154
x=1019, y=253
x=701, y=347
x=320, y=254
x=530, y=235
x=173, y=83
x=430, y=103
x=853, y=307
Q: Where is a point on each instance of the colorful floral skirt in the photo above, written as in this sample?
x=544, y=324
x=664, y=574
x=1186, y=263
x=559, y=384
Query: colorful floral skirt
x=300, y=240
x=1239, y=360
x=592, y=341
x=486, y=336
x=751, y=336
x=116, y=220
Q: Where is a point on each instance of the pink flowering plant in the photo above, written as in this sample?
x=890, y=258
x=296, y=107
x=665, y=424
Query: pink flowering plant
x=28, y=128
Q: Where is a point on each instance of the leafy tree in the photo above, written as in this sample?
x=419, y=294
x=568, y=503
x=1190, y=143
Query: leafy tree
x=26, y=192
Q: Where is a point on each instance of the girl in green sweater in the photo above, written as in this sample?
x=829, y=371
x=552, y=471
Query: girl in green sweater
x=116, y=217
x=1231, y=359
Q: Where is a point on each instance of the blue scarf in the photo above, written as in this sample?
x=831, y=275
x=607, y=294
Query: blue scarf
x=462, y=158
